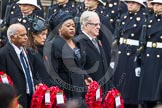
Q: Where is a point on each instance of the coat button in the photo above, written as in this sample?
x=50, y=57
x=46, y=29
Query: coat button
x=24, y=21
x=12, y=12
x=111, y=20
x=144, y=13
x=158, y=56
x=13, y=7
x=135, y=25
x=150, y=21
x=132, y=34
x=112, y=11
x=160, y=37
x=147, y=55
x=123, y=23
x=119, y=52
x=110, y=5
x=138, y=18
x=128, y=54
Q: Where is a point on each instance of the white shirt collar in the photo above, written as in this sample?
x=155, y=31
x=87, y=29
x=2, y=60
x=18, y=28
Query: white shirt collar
x=87, y=35
x=17, y=50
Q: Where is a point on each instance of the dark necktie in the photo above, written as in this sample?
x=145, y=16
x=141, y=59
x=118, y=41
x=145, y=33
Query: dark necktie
x=27, y=72
x=96, y=44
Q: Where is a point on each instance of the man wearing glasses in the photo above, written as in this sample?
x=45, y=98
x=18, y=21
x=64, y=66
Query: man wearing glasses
x=96, y=64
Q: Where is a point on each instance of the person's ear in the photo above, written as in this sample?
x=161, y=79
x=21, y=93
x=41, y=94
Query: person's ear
x=59, y=30
x=13, y=37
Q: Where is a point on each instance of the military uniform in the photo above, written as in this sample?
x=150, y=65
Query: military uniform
x=68, y=7
x=100, y=10
x=151, y=61
x=17, y=17
x=113, y=7
x=6, y=2
x=124, y=77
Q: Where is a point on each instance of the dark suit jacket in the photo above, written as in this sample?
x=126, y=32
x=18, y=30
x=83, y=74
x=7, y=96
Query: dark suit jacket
x=10, y=64
x=39, y=67
x=96, y=64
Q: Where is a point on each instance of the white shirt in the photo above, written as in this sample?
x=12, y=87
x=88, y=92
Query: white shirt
x=95, y=44
x=18, y=51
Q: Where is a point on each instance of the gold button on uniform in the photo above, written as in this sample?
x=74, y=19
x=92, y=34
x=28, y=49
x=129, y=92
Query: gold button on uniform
x=125, y=41
x=154, y=45
x=147, y=55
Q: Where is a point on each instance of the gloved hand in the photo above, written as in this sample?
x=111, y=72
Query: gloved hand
x=137, y=71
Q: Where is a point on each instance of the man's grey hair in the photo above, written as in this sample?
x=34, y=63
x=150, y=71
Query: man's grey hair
x=12, y=30
x=86, y=15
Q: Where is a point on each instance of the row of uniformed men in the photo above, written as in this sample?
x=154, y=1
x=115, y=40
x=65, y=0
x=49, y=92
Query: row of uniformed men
x=138, y=72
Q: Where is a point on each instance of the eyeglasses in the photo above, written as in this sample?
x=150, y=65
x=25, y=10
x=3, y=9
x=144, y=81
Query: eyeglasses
x=95, y=24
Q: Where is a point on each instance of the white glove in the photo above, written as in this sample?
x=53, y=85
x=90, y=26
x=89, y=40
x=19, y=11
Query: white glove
x=112, y=65
x=137, y=71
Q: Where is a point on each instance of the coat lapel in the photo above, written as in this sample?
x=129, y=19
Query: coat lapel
x=90, y=43
x=14, y=57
